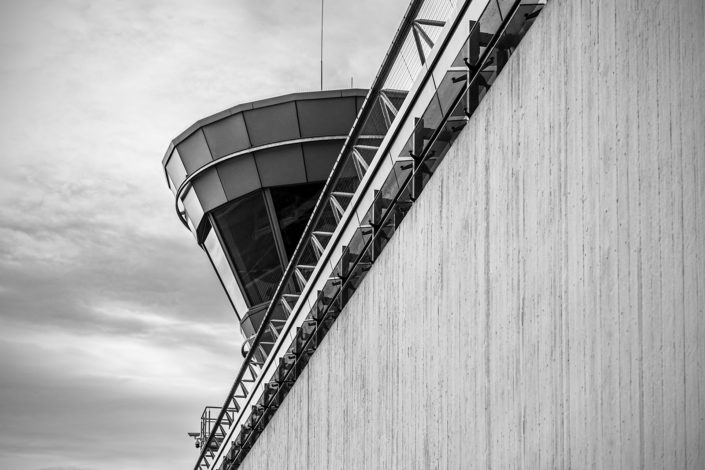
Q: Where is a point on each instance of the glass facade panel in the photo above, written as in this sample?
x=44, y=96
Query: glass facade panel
x=293, y=205
x=252, y=321
x=247, y=237
x=225, y=273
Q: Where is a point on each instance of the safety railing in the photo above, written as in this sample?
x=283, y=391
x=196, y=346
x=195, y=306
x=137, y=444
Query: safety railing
x=371, y=188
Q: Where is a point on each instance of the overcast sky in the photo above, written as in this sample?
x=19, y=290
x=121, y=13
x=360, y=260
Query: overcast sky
x=114, y=332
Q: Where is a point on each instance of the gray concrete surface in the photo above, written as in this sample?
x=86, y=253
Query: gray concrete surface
x=542, y=304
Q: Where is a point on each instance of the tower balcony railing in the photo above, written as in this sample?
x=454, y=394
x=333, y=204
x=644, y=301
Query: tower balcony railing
x=421, y=106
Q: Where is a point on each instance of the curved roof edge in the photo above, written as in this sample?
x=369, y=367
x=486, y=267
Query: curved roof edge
x=304, y=95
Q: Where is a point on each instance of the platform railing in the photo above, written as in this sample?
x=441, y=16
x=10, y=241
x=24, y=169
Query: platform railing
x=365, y=200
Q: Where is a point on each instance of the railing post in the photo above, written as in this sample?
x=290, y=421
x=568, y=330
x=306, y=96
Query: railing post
x=473, y=94
x=501, y=57
x=375, y=222
x=416, y=150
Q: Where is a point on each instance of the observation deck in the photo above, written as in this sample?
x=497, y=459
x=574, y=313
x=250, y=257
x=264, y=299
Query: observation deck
x=246, y=180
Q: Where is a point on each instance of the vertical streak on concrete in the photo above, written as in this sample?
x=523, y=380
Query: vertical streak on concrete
x=640, y=30
x=488, y=320
x=542, y=304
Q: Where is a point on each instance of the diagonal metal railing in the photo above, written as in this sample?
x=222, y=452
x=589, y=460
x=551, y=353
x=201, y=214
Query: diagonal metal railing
x=420, y=100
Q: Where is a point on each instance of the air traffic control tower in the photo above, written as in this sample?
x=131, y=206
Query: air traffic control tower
x=246, y=180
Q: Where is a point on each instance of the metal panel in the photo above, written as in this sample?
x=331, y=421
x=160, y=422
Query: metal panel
x=193, y=207
x=272, y=124
x=281, y=166
x=326, y=117
x=358, y=103
x=227, y=136
x=194, y=152
x=239, y=176
x=176, y=171
x=319, y=158
x=209, y=189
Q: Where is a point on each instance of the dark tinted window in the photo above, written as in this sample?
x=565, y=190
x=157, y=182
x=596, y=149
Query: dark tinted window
x=247, y=235
x=294, y=205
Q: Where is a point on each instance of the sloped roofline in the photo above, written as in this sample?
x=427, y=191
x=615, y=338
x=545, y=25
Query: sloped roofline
x=263, y=103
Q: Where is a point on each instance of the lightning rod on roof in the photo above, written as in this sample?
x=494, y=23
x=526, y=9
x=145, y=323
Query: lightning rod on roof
x=321, y=45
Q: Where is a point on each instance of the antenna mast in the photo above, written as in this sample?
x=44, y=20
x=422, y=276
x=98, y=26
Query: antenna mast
x=321, y=45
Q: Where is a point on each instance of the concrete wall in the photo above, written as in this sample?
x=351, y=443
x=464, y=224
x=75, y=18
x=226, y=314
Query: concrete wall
x=542, y=304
